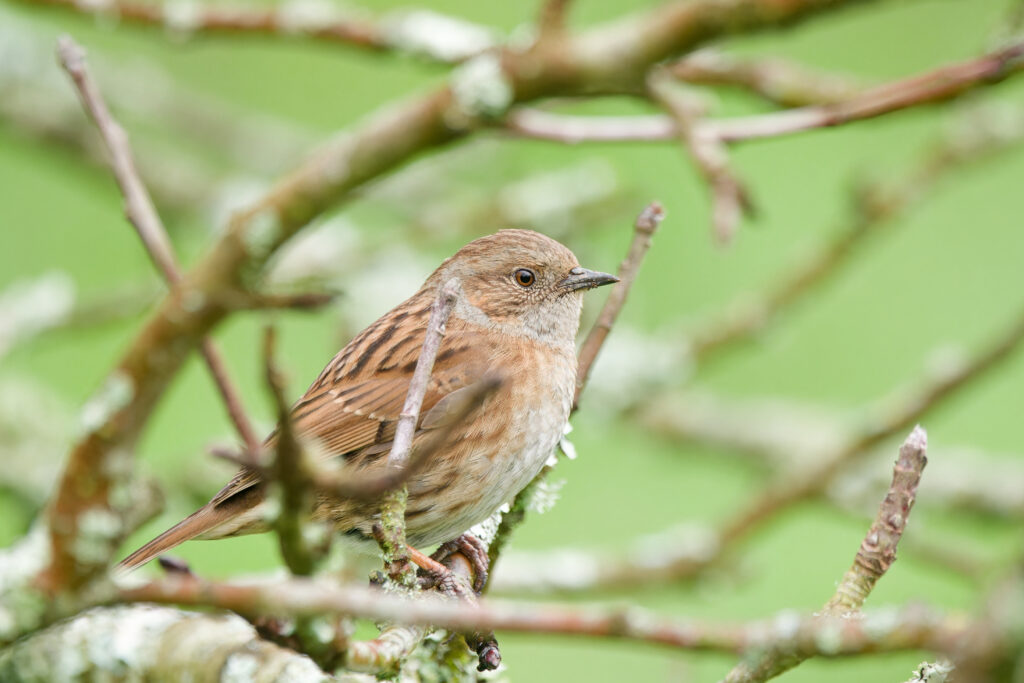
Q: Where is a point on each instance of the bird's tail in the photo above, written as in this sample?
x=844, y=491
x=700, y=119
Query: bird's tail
x=198, y=523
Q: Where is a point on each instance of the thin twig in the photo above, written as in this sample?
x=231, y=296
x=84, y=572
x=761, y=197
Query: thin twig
x=776, y=80
x=730, y=199
x=289, y=473
x=975, y=136
x=142, y=214
x=392, y=511
x=933, y=86
x=876, y=554
x=644, y=227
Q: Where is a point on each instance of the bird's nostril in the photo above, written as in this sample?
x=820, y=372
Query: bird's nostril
x=578, y=270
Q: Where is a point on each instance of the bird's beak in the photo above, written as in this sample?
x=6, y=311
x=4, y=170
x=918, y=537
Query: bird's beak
x=581, y=278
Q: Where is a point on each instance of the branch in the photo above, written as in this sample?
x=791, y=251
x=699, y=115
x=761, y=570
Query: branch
x=782, y=82
x=644, y=227
x=143, y=216
x=164, y=642
x=730, y=199
x=392, y=512
x=876, y=554
x=938, y=85
x=289, y=472
x=423, y=33
x=881, y=424
x=886, y=631
x=975, y=136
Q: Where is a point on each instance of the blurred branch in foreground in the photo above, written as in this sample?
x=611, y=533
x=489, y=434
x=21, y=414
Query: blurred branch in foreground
x=420, y=32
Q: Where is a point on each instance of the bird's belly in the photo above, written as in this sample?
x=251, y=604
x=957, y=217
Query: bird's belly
x=477, y=481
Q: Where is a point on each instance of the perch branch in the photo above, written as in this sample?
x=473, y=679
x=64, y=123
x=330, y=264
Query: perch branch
x=885, y=631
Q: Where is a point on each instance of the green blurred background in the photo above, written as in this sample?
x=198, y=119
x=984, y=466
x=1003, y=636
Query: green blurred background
x=950, y=275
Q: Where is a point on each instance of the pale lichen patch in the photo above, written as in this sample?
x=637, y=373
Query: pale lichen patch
x=261, y=234
x=423, y=32
x=116, y=393
x=99, y=531
x=481, y=89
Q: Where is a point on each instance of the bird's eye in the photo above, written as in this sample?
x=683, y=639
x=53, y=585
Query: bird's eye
x=524, y=277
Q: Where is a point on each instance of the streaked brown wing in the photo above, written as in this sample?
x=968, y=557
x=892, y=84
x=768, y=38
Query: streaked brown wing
x=361, y=416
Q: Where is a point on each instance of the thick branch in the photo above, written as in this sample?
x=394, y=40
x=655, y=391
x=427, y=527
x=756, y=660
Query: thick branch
x=408, y=31
x=888, y=631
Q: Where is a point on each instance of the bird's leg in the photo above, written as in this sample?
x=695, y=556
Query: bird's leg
x=452, y=580
x=474, y=550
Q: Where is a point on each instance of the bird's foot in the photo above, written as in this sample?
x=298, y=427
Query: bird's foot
x=474, y=550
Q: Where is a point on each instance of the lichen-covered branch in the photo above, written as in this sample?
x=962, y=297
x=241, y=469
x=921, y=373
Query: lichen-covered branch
x=422, y=32
x=147, y=642
x=933, y=86
x=883, y=631
x=876, y=554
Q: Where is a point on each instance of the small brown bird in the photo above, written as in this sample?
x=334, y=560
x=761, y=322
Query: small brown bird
x=515, y=319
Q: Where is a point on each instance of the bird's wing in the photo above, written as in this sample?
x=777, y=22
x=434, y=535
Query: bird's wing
x=356, y=420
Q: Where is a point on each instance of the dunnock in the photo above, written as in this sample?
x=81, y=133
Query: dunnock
x=515, y=319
